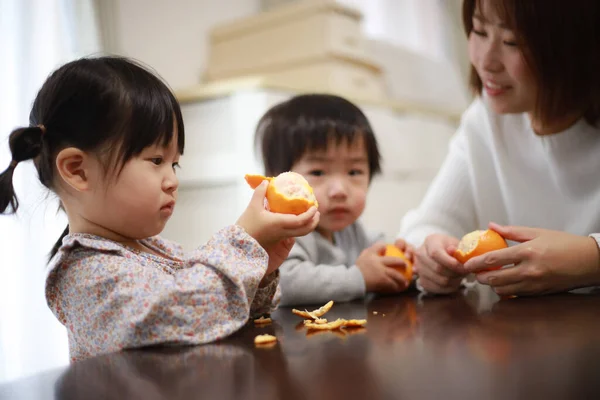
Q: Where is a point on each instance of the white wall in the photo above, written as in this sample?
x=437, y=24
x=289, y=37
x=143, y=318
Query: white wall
x=171, y=35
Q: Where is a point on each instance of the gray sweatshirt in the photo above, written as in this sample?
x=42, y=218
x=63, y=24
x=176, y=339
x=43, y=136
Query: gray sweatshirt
x=317, y=271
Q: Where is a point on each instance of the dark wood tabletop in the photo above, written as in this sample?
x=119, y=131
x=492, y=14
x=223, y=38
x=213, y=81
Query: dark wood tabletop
x=471, y=345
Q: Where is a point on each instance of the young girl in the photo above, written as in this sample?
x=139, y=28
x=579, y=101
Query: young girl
x=526, y=153
x=106, y=136
x=329, y=140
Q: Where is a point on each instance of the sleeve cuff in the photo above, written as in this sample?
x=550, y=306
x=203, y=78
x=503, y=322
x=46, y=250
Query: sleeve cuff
x=596, y=237
x=356, y=282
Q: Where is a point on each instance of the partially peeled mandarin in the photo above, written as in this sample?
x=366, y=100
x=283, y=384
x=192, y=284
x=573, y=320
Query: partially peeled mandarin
x=288, y=192
x=477, y=243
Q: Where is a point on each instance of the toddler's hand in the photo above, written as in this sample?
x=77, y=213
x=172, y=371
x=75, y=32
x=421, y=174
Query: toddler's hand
x=407, y=248
x=269, y=228
x=378, y=271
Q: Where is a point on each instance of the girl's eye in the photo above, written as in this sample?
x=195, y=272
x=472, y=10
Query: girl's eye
x=355, y=172
x=156, y=160
x=479, y=33
x=176, y=165
x=510, y=43
x=317, y=172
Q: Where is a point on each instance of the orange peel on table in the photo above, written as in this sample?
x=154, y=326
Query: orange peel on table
x=354, y=323
x=288, y=192
x=329, y=326
x=338, y=323
x=265, y=340
x=316, y=314
x=479, y=242
x=262, y=321
x=393, y=251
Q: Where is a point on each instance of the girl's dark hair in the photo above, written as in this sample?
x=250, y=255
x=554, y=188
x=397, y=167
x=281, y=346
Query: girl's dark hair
x=110, y=106
x=560, y=41
x=307, y=123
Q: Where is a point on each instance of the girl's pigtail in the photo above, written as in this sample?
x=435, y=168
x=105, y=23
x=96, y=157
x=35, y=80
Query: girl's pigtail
x=25, y=144
x=7, y=190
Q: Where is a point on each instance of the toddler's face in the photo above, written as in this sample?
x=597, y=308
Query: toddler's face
x=140, y=201
x=339, y=176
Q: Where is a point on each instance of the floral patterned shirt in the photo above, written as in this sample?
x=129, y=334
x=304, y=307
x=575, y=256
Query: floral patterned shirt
x=111, y=297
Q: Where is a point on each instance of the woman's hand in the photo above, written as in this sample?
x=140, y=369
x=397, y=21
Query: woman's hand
x=439, y=272
x=545, y=261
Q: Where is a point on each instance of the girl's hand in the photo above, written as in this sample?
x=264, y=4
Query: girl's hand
x=438, y=270
x=545, y=261
x=269, y=228
x=278, y=253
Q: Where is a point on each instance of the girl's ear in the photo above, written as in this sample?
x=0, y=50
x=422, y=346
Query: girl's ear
x=74, y=167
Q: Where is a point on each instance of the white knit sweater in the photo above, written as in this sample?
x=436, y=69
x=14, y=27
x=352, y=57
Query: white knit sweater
x=499, y=170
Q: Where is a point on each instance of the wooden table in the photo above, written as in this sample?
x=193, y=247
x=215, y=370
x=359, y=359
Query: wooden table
x=467, y=346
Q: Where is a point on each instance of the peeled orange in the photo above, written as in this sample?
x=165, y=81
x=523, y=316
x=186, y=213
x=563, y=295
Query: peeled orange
x=477, y=243
x=288, y=192
x=393, y=251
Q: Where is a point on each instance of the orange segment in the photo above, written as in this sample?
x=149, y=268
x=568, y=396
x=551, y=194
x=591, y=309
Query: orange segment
x=288, y=192
x=477, y=243
x=393, y=251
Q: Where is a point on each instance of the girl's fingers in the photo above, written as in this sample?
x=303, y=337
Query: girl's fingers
x=258, y=197
x=291, y=221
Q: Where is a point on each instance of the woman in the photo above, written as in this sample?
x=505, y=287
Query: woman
x=525, y=161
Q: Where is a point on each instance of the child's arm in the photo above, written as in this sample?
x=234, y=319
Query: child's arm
x=109, y=302
x=264, y=300
x=304, y=282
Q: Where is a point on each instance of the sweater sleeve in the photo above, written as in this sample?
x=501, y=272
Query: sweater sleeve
x=265, y=301
x=109, y=302
x=449, y=205
x=303, y=281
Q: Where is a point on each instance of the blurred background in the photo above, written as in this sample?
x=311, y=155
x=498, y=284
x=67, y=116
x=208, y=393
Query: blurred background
x=404, y=62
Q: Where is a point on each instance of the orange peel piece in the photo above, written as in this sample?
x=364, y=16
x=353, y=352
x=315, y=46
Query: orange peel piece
x=262, y=321
x=316, y=314
x=353, y=323
x=318, y=321
x=393, y=251
x=479, y=242
x=264, y=339
x=288, y=192
x=338, y=323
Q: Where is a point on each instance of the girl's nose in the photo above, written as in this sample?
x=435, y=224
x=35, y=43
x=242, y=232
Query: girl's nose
x=171, y=182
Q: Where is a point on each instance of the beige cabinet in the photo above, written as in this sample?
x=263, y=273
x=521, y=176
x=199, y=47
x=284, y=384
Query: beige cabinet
x=308, y=45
